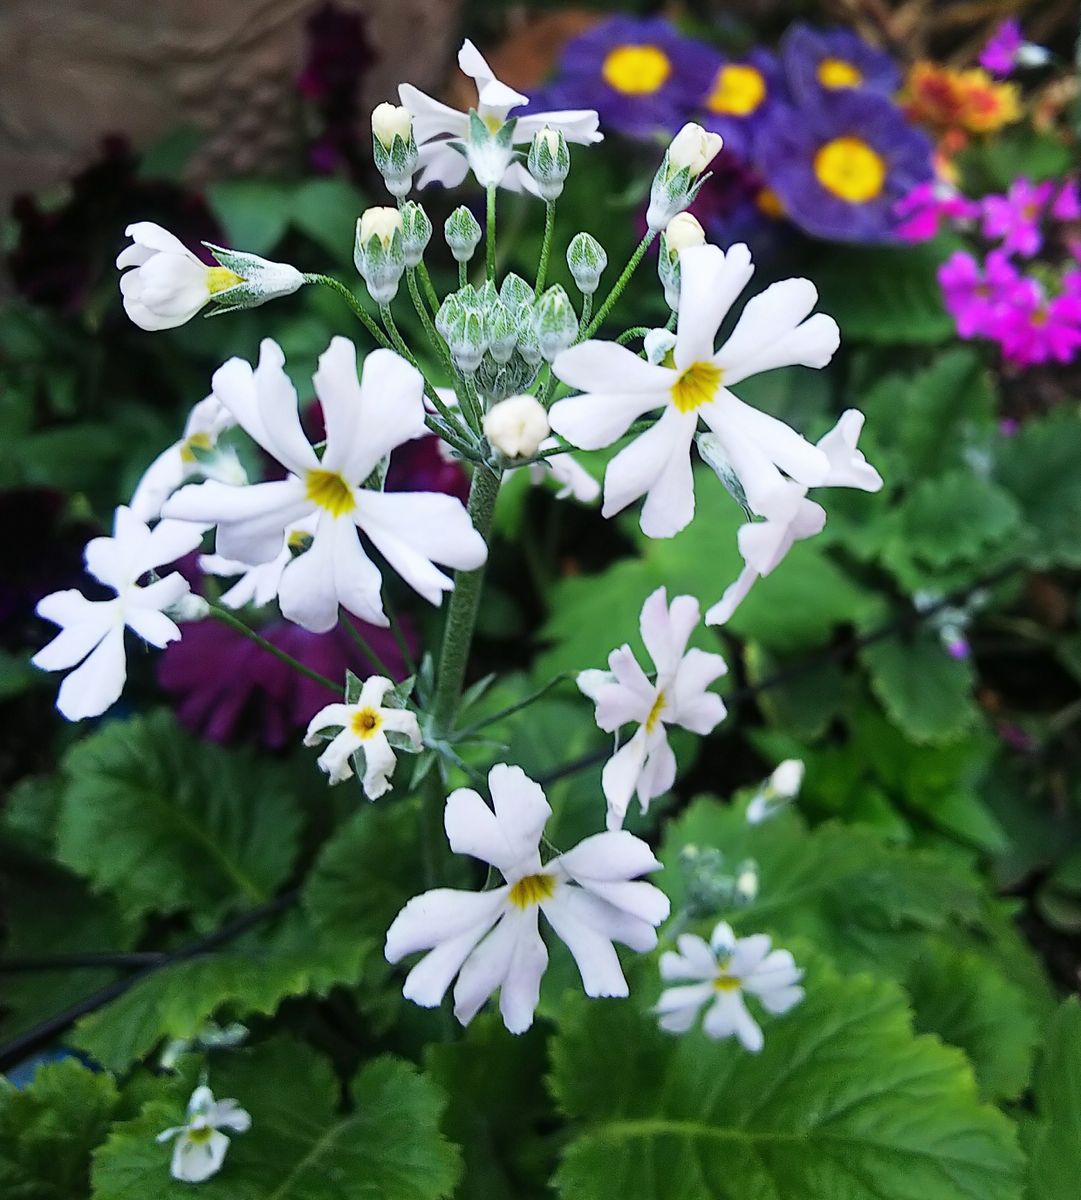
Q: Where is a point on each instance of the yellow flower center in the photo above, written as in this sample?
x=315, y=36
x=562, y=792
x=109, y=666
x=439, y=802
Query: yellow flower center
x=366, y=723
x=850, y=169
x=655, y=713
x=221, y=279
x=330, y=491
x=197, y=441
x=726, y=983
x=836, y=73
x=737, y=91
x=199, y=1136
x=636, y=70
x=696, y=386
x=532, y=889
x=767, y=201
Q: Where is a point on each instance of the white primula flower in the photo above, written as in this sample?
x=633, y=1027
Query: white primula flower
x=591, y=897
x=200, y=1144
x=646, y=765
x=619, y=387
x=92, y=631
x=258, y=585
x=365, y=420
x=169, y=284
x=436, y=125
x=721, y=972
x=573, y=479
x=782, y=787
x=792, y=517
x=516, y=426
x=364, y=727
x=196, y=453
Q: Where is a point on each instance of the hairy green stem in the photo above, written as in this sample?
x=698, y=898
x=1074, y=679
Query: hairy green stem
x=429, y=288
x=359, y=311
x=587, y=308
x=617, y=288
x=546, y=245
x=368, y=651
x=628, y=335
x=234, y=622
x=489, y=241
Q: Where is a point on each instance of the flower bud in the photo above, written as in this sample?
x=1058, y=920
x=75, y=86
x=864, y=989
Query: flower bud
x=463, y=233
x=555, y=322
x=416, y=232
x=693, y=147
x=787, y=778
x=502, y=331
x=517, y=426
x=745, y=885
x=379, y=252
x=390, y=121
x=394, y=148
x=460, y=321
x=586, y=259
x=549, y=162
x=658, y=345
x=680, y=175
x=683, y=230
x=516, y=294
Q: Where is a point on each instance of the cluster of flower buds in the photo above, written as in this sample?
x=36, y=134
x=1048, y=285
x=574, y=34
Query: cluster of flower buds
x=549, y=163
x=711, y=888
x=587, y=260
x=683, y=230
x=461, y=323
x=394, y=147
x=681, y=173
x=379, y=252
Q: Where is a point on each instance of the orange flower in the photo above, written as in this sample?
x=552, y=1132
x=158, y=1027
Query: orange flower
x=946, y=99
x=987, y=105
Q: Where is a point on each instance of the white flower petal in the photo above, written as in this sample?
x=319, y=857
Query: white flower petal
x=486, y=967
x=520, y=992
x=598, y=963
x=666, y=629
x=580, y=126
x=710, y=281
x=658, y=771
x=438, y=162
x=439, y=916
x=728, y=1016
x=333, y=570
x=152, y=625
x=251, y=520
x=607, y=857
x=83, y=624
x=733, y=596
x=379, y=764
x=847, y=465
x=196, y=1161
x=620, y=777
x=279, y=411
x=96, y=685
x=593, y=366
x=657, y=464
x=695, y=959
x=427, y=983
x=431, y=118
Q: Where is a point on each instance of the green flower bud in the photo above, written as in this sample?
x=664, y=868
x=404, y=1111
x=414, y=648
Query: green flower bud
x=549, y=162
x=463, y=233
x=555, y=322
x=587, y=260
x=379, y=252
x=416, y=232
x=394, y=147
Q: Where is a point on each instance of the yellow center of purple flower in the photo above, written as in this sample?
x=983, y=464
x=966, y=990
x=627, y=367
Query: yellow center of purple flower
x=835, y=73
x=737, y=91
x=655, y=713
x=329, y=491
x=365, y=723
x=636, y=70
x=197, y=441
x=850, y=169
x=697, y=385
x=767, y=201
x=221, y=279
x=532, y=889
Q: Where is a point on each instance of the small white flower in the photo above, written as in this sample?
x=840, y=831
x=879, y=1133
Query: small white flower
x=436, y=126
x=787, y=778
x=574, y=480
x=517, y=426
x=722, y=971
x=618, y=387
x=365, y=421
x=200, y=1144
x=380, y=222
x=646, y=765
x=258, y=585
x=792, y=517
x=169, y=285
x=196, y=453
x=92, y=631
x=683, y=230
x=695, y=148
x=364, y=727
x=591, y=897
x=390, y=121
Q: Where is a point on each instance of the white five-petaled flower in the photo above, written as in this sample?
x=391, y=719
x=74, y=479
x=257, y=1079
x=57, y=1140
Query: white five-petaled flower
x=168, y=284
x=618, y=387
x=200, y=1144
x=436, y=125
x=763, y=544
x=92, y=631
x=645, y=764
x=258, y=585
x=365, y=420
x=715, y=975
x=591, y=897
x=196, y=453
x=364, y=727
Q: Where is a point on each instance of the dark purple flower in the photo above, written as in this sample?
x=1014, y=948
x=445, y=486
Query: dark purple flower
x=840, y=168
x=821, y=62
x=640, y=74
x=225, y=686
x=999, y=56
x=739, y=96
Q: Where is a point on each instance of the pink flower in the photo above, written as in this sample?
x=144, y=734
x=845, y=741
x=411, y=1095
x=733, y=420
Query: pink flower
x=1066, y=206
x=929, y=203
x=1015, y=218
x=974, y=296
x=999, y=56
x=1033, y=329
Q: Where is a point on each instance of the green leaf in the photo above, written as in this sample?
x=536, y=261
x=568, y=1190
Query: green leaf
x=842, y=1102
x=327, y=211
x=1039, y=466
x=48, y=1130
x=299, y=1147
x=1055, y=1153
x=253, y=976
x=168, y=824
x=956, y=517
x=254, y=212
x=925, y=693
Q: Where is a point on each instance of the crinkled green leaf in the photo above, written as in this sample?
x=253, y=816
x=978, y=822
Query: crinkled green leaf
x=48, y=1130
x=956, y=517
x=1055, y=1152
x=168, y=824
x=843, y=1102
x=924, y=691
x=300, y=1146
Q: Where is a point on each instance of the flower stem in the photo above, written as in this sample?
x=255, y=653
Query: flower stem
x=369, y=653
x=489, y=244
x=546, y=245
x=464, y=601
x=363, y=316
x=429, y=289
x=587, y=308
x=618, y=287
x=234, y=622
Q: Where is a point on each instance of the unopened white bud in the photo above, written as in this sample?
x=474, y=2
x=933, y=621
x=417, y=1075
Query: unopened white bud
x=390, y=121
x=463, y=233
x=683, y=230
x=517, y=426
x=680, y=175
x=382, y=223
x=549, y=162
x=695, y=148
x=787, y=778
